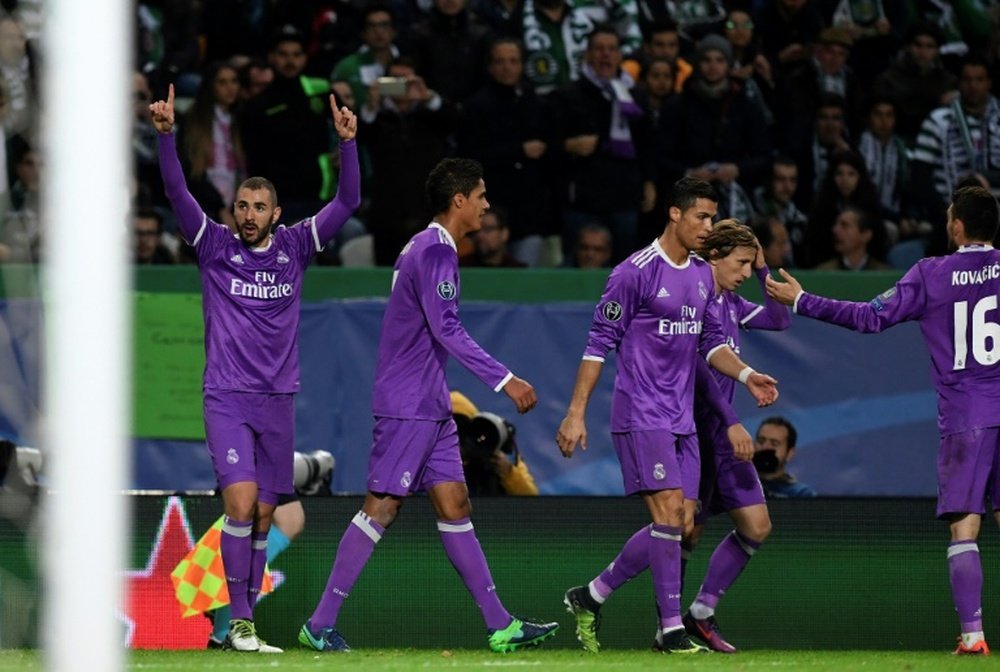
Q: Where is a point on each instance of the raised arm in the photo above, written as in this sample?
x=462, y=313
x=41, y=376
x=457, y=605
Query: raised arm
x=772, y=315
x=336, y=212
x=190, y=217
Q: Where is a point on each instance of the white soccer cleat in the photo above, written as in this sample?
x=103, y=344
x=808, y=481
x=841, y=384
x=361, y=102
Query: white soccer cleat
x=242, y=636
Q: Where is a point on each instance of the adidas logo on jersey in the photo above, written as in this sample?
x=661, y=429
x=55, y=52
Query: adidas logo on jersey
x=663, y=293
x=236, y=259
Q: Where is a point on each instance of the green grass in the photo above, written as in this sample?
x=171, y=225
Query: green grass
x=405, y=660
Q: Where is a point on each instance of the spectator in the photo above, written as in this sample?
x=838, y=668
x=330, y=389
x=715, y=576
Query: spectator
x=286, y=132
x=449, y=49
x=813, y=151
x=660, y=41
x=788, y=29
x=885, y=156
x=18, y=78
x=369, y=62
x=750, y=66
x=917, y=80
x=405, y=137
x=655, y=89
x=774, y=241
x=776, y=199
x=773, y=450
x=148, y=232
x=965, y=26
x=593, y=247
x=719, y=135
x=144, y=161
x=857, y=241
x=556, y=32
x=871, y=31
x=958, y=139
x=609, y=172
x=696, y=18
x=490, y=243
x=22, y=230
x=210, y=142
x=255, y=76
x=846, y=185
x=505, y=131
x=826, y=72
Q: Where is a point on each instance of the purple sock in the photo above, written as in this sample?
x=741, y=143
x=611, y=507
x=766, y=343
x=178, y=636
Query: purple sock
x=631, y=560
x=355, y=548
x=966, y=573
x=466, y=555
x=727, y=562
x=258, y=559
x=686, y=550
x=235, y=549
x=665, y=564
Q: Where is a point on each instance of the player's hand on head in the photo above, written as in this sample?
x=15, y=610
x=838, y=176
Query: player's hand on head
x=741, y=441
x=161, y=112
x=763, y=388
x=758, y=260
x=521, y=393
x=572, y=431
x=783, y=292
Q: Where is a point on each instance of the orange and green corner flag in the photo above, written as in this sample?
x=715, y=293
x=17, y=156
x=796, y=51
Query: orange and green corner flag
x=200, y=579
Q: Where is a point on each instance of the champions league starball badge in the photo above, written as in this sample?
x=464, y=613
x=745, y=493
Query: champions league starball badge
x=612, y=311
x=446, y=290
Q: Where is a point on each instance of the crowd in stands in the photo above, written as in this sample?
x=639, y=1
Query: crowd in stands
x=837, y=128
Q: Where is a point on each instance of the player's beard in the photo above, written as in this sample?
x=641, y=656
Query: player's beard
x=256, y=240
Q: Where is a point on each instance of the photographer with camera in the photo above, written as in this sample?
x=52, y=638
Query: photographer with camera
x=773, y=449
x=490, y=458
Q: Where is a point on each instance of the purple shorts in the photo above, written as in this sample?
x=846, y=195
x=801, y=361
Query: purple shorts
x=251, y=438
x=969, y=472
x=726, y=482
x=413, y=455
x=655, y=459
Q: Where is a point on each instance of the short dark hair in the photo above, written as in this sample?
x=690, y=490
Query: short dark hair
x=977, y=208
x=255, y=183
x=603, y=29
x=687, y=190
x=150, y=213
x=375, y=7
x=780, y=421
x=450, y=177
x=504, y=39
x=827, y=99
x=975, y=61
x=659, y=26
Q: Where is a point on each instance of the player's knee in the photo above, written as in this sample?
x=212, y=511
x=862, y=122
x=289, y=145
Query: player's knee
x=758, y=530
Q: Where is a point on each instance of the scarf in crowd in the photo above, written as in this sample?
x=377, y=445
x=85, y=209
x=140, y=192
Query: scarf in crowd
x=623, y=109
x=887, y=165
x=971, y=147
x=582, y=17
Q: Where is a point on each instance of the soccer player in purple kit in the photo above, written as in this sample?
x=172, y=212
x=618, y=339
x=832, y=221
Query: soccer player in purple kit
x=251, y=291
x=415, y=441
x=660, y=313
x=729, y=481
x=954, y=299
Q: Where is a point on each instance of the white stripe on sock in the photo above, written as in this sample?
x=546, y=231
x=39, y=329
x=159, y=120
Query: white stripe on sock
x=747, y=548
x=236, y=530
x=958, y=549
x=363, y=522
x=664, y=535
x=259, y=545
x=452, y=527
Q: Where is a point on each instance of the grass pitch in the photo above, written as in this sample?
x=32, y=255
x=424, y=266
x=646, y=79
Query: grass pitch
x=407, y=660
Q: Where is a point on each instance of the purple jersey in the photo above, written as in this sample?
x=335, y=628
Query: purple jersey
x=660, y=317
x=251, y=297
x=954, y=298
x=421, y=328
x=736, y=313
